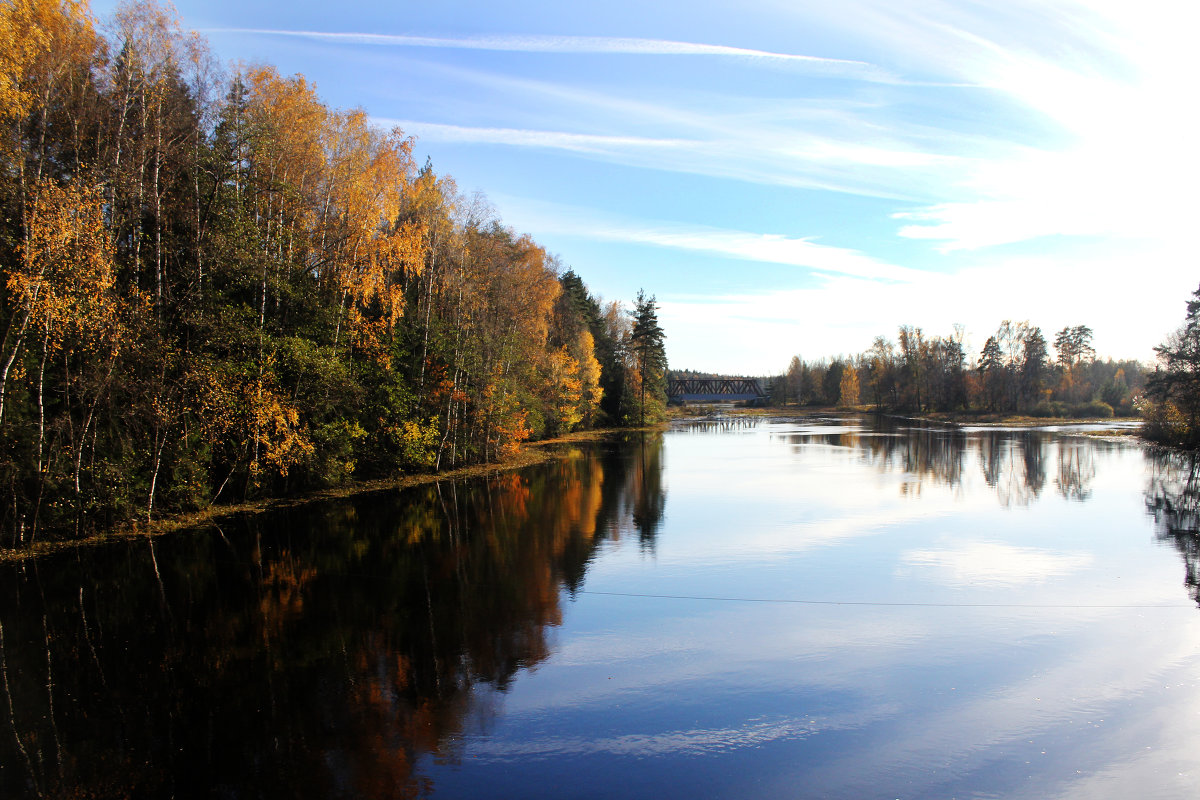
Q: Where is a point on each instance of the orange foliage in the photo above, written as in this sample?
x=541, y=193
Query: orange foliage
x=335, y=187
x=66, y=278
x=40, y=42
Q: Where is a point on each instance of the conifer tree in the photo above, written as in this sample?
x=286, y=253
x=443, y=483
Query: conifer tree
x=1174, y=387
x=650, y=356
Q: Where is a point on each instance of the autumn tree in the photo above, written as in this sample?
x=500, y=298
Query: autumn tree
x=221, y=288
x=848, y=392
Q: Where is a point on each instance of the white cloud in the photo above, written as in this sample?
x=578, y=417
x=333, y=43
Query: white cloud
x=1110, y=84
x=758, y=331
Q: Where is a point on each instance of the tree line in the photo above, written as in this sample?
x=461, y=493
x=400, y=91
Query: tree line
x=215, y=287
x=1015, y=373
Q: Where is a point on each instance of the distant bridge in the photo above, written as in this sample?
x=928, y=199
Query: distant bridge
x=714, y=390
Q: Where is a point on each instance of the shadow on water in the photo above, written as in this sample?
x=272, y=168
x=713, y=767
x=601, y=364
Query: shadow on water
x=320, y=651
x=1173, y=499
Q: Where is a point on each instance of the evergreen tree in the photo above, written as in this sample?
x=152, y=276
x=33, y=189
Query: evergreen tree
x=650, y=356
x=1074, y=345
x=1033, y=365
x=991, y=367
x=1174, y=387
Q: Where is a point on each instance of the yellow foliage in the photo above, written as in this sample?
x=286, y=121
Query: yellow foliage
x=417, y=442
x=250, y=413
x=65, y=280
x=38, y=38
x=566, y=389
x=849, y=386
x=215, y=398
x=281, y=442
x=336, y=185
x=589, y=373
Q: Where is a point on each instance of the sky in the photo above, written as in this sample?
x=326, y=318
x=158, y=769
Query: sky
x=795, y=177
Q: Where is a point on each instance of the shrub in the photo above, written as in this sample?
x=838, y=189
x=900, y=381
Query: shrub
x=1042, y=409
x=1048, y=408
x=1165, y=424
x=1096, y=408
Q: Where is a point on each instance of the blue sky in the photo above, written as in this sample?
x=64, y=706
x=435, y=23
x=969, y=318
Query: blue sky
x=793, y=177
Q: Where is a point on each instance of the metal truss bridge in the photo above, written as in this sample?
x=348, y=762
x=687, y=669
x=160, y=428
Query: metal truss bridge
x=714, y=390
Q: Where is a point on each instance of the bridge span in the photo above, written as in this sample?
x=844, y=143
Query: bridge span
x=714, y=390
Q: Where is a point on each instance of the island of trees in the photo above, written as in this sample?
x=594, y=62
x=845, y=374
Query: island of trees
x=217, y=287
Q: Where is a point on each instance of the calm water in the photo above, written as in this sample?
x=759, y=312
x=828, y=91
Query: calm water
x=797, y=609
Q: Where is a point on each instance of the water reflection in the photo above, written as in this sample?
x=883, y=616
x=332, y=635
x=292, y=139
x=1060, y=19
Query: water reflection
x=1016, y=464
x=321, y=651
x=646, y=490
x=717, y=424
x=1173, y=499
x=375, y=647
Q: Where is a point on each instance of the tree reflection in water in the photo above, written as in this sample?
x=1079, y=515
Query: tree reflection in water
x=1173, y=498
x=1014, y=463
x=319, y=651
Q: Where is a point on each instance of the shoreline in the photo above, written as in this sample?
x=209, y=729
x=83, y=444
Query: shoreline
x=1125, y=429
x=531, y=454
x=945, y=419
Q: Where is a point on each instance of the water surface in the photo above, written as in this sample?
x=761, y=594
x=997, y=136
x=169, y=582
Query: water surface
x=812, y=608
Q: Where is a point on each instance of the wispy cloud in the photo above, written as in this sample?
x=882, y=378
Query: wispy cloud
x=555, y=140
x=730, y=146
x=825, y=142
x=610, y=45
x=765, y=248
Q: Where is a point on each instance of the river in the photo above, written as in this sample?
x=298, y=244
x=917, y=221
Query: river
x=815, y=607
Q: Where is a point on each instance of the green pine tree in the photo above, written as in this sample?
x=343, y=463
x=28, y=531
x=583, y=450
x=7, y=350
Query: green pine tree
x=650, y=357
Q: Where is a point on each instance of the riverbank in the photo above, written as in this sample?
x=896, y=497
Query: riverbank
x=530, y=454
x=1096, y=426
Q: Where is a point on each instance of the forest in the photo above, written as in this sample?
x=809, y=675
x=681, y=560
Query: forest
x=217, y=287
x=1015, y=373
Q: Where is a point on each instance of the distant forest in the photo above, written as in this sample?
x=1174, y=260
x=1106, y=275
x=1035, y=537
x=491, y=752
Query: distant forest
x=1015, y=373
x=217, y=287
